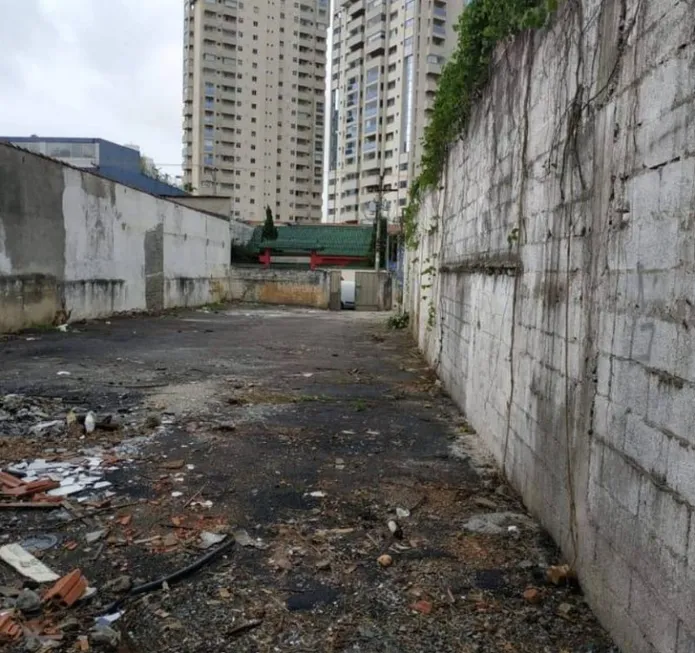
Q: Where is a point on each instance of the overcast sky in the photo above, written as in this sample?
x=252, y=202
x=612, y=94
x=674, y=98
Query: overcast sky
x=94, y=68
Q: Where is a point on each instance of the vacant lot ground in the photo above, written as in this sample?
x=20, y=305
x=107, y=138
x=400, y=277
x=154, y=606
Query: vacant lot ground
x=303, y=433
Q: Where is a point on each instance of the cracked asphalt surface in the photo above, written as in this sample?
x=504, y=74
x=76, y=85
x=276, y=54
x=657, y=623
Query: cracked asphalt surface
x=309, y=431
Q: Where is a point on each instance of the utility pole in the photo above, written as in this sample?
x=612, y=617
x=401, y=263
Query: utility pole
x=381, y=191
x=377, y=246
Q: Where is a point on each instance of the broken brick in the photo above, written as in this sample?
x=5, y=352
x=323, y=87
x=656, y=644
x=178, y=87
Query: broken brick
x=424, y=607
x=68, y=589
x=532, y=595
x=9, y=481
x=125, y=520
x=9, y=628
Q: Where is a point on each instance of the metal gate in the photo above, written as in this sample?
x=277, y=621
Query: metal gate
x=366, y=291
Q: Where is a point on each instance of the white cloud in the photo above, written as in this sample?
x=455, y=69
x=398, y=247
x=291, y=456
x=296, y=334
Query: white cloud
x=94, y=68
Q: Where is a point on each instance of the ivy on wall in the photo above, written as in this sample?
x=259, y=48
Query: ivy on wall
x=481, y=27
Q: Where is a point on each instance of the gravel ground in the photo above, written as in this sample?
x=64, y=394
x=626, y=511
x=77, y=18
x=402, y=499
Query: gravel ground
x=303, y=433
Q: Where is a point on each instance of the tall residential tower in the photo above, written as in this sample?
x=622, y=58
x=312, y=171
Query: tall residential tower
x=254, y=84
x=387, y=60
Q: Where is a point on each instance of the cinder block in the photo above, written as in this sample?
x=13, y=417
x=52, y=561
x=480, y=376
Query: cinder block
x=615, y=572
x=658, y=623
x=681, y=470
x=647, y=446
x=630, y=386
x=672, y=406
x=664, y=516
x=621, y=480
x=610, y=420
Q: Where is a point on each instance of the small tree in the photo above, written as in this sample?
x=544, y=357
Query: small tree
x=270, y=231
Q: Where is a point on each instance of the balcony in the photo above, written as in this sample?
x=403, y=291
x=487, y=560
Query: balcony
x=376, y=43
x=355, y=40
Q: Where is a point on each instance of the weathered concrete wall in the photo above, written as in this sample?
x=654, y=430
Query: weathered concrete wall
x=286, y=287
x=74, y=240
x=554, y=291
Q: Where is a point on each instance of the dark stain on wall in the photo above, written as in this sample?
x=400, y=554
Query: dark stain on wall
x=32, y=219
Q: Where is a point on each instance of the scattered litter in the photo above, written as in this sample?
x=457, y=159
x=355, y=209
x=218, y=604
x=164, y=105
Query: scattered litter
x=40, y=542
x=561, y=575
x=339, y=463
x=513, y=530
x=323, y=564
x=108, y=619
x=208, y=539
x=373, y=433
x=176, y=494
x=318, y=494
x=89, y=422
x=242, y=538
x=307, y=375
x=26, y=564
x=69, y=589
x=385, y=560
x=395, y=529
x=402, y=513
x=63, y=328
x=67, y=489
x=64, y=373
x=42, y=428
x=95, y=536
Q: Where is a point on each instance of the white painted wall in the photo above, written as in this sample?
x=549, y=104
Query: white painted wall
x=572, y=351
x=88, y=245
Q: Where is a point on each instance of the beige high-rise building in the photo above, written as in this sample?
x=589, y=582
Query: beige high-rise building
x=387, y=57
x=254, y=107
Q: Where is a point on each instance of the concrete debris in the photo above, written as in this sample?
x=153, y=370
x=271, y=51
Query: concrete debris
x=496, y=523
x=208, y=539
x=242, y=538
x=565, y=609
x=28, y=602
x=120, y=585
x=105, y=636
x=26, y=564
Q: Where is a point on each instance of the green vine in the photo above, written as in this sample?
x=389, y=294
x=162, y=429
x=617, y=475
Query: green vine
x=481, y=27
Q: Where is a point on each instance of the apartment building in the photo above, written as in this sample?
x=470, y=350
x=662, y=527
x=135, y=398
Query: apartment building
x=387, y=57
x=254, y=106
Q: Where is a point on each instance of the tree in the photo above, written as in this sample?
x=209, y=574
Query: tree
x=270, y=231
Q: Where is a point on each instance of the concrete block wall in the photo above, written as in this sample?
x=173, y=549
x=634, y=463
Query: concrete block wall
x=70, y=239
x=554, y=291
x=309, y=288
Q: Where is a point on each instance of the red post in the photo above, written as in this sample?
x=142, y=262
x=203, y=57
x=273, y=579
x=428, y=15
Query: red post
x=265, y=258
